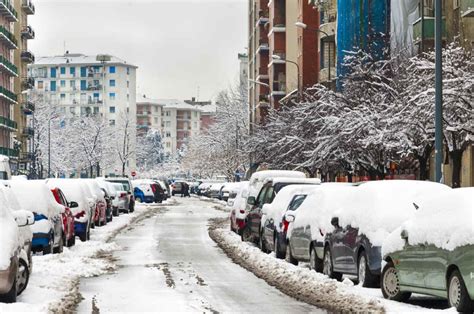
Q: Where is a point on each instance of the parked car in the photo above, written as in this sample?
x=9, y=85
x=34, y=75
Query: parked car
x=36, y=197
x=67, y=217
x=274, y=217
x=433, y=252
x=80, y=205
x=204, y=189
x=238, y=214
x=215, y=190
x=270, y=188
x=179, y=187
x=369, y=215
x=100, y=204
x=120, y=201
x=127, y=186
x=14, y=269
x=162, y=184
x=144, y=191
x=109, y=194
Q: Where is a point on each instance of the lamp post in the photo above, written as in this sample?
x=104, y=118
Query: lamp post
x=439, y=92
x=275, y=57
x=304, y=26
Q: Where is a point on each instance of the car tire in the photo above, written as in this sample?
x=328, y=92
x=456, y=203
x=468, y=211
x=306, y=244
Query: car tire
x=328, y=269
x=88, y=235
x=458, y=296
x=60, y=247
x=115, y=212
x=71, y=241
x=49, y=248
x=246, y=235
x=261, y=243
x=83, y=236
x=22, y=278
x=368, y=279
x=315, y=263
x=289, y=257
x=10, y=296
x=390, y=284
x=278, y=251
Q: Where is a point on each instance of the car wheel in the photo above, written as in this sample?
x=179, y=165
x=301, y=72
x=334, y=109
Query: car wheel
x=457, y=294
x=391, y=284
x=71, y=241
x=246, y=236
x=289, y=257
x=10, y=296
x=60, y=247
x=88, y=235
x=315, y=263
x=49, y=248
x=328, y=266
x=83, y=236
x=116, y=212
x=278, y=251
x=365, y=277
x=261, y=243
x=23, y=276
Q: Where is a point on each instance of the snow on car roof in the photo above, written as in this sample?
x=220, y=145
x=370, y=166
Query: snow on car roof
x=262, y=175
x=444, y=219
x=35, y=196
x=293, y=180
x=73, y=189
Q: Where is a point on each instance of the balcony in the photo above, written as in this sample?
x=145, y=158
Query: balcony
x=7, y=38
x=27, y=83
x=183, y=118
x=28, y=7
x=8, y=123
x=27, y=56
x=28, y=107
x=8, y=11
x=9, y=152
x=329, y=29
x=429, y=29
x=28, y=156
x=143, y=113
x=7, y=67
x=95, y=74
x=8, y=95
x=467, y=8
x=279, y=89
x=28, y=33
x=28, y=132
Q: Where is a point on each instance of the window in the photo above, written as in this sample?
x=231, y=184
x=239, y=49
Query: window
x=53, y=86
x=96, y=110
x=62, y=97
x=156, y=120
x=112, y=96
x=112, y=109
x=261, y=197
x=83, y=85
x=128, y=97
x=195, y=125
x=72, y=110
x=63, y=83
x=83, y=71
x=296, y=202
x=269, y=195
x=96, y=96
x=128, y=84
x=112, y=83
x=195, y=114
x=72, y=71
x=128, y=71
x=112, y=69
x=40, y=84
x=111, y=122
x=168, y=124
x=53, y=72
x=72, y=84
x=63, y=70
x=167, y=113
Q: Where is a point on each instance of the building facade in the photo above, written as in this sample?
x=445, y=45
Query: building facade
x=79, y=85
x=24, y=111
x=9, y=17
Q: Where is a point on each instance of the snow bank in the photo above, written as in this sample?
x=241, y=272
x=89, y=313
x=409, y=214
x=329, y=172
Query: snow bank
x=282, y=200
x=445, y=220
x=35, y=196
x=377, y=208
x=9, y=234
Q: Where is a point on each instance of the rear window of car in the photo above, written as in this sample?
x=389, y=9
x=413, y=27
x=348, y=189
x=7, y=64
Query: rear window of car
x=125, y=184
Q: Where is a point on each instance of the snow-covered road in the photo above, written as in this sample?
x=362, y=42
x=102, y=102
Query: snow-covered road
x=169, y=263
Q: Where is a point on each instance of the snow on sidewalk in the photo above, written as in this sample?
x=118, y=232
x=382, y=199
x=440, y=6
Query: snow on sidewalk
x=302, y=283
x=54, y=282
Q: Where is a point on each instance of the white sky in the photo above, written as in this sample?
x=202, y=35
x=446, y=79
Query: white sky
x=178, y=45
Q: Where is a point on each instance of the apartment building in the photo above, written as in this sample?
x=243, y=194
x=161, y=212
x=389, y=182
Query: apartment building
x=208, y=109
x=78, y=85
x=178, y=122
x=244, y=68
x=8, y=72
x=23, y=113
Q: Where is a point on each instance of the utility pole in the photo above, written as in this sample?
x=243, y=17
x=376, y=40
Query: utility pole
x=439, y=92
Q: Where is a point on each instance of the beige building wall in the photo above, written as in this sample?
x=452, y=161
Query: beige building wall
x=292, y=12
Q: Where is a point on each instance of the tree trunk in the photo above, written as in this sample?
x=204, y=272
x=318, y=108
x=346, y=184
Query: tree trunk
x=456, y=157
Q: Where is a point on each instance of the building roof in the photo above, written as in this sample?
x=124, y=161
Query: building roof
x=77, y=59
x=168, y=103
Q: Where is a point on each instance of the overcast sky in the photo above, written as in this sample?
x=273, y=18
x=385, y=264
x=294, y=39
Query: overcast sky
x=178, y=45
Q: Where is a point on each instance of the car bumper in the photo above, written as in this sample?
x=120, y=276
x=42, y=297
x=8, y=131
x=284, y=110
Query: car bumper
x=7, y=277
x=149, y=199
x=40, y=240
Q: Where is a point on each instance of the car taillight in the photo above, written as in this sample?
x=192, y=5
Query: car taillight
x=80, y=215
x=242, y=211
x=285, y=225
x=123, y=195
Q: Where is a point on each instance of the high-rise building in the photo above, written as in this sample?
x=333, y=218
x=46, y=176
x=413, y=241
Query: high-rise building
x=23, y=113
x=8, y=71
x=79, y=85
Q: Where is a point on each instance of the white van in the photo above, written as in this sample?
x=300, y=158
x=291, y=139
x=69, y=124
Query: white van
x=5, y=172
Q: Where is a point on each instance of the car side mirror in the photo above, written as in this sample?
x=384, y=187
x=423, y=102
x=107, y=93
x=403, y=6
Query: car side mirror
x=251, y=200
x=23, y=218
x=289, y=217
x=404, y=235
x=335, y=222
x=73, y=205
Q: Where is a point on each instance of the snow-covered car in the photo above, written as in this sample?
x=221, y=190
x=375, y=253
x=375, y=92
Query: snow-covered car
x=433, y=252
x=204, y=189
x=215, y=190
x=36, y=197
x=120, y=200
x=226, y=189
x=274, y=220
x=163, y=186
x=109, y=194
x=234, y=190
x=127, y=187
x=238, y=215
x=369, y=214
x=14, y=269
x=98, y=196
x=143, y=191
x=67, y=217
x=79, y=203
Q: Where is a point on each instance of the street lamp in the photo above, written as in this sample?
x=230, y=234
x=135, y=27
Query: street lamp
x=304, y=26
x=259, y=83
x=439, y=92
x=276, y=57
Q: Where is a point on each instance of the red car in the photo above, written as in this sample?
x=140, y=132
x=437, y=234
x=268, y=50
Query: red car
x=67, y=216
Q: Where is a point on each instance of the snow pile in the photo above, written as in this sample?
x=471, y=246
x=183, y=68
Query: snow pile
x=278, y=207
x=377, y=208
x=445, y=220
x=35, y=196
x=9, y=234
x=258, y=178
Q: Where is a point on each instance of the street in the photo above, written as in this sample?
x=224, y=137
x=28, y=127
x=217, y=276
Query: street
x=169, y=263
